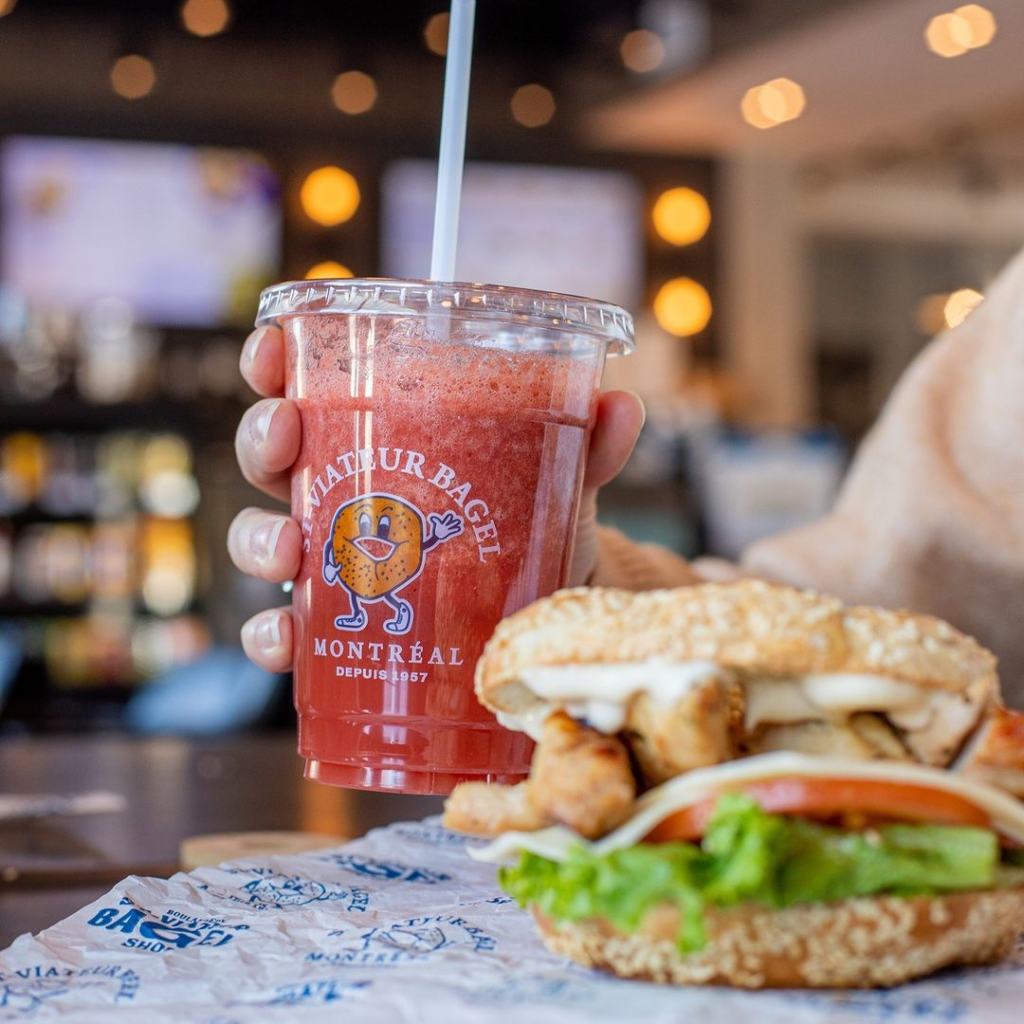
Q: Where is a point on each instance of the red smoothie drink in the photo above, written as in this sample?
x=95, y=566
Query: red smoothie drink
x=445, y=430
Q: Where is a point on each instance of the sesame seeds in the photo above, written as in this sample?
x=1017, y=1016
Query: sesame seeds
x=854, y=944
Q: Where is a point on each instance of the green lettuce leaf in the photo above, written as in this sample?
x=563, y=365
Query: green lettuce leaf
x=750, y=856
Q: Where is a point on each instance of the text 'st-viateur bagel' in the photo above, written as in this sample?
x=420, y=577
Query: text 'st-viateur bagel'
x=754, y=785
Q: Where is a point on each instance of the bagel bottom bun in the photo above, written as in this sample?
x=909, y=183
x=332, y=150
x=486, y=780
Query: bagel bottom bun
x=860, y=943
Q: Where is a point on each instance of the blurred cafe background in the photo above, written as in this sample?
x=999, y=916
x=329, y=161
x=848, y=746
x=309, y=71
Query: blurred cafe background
x=793, y=196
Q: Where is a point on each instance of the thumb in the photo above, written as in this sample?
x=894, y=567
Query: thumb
x=620, y=418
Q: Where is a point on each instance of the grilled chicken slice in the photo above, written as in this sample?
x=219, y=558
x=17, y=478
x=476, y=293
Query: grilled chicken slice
x=862, y=738
x=935, y=733
x=488, y=809
x=696, y=731
x=880, y=736
x=579, y=778
x=995, y=753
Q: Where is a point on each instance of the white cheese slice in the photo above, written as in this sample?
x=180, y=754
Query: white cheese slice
x=600, y=693
x=828, y=695
x=1006, y=813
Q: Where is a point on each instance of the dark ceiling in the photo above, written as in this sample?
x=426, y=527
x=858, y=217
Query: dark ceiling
x=270, y=73
x=528, y=30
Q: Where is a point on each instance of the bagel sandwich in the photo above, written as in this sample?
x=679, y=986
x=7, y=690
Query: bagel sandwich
x=753, y=785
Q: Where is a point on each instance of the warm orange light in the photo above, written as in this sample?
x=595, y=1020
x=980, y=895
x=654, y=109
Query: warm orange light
x=168, y=565
x=133, y=76
x=23, y=461
x=327, y=269
x=6, y=6
x=682, y=307
x=354, y=92
x=960, y=305
x=435, y=33
x=329, y=196
x=981, y=22
x=946, y=35
x=930, y=315
x=952, y=34
x=681, y=216
x=533, y=105
x=642, y=51
x=205, y=17
x=773, y=103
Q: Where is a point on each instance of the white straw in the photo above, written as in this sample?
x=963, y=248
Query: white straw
x=453, y=140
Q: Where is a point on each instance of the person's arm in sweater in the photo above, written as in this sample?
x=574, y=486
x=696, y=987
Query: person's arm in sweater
x=931, y=514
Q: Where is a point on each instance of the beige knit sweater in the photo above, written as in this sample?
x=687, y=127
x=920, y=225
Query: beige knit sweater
x=931, y=515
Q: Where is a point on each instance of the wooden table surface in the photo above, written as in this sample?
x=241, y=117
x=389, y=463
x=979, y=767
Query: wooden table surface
x=174, y=788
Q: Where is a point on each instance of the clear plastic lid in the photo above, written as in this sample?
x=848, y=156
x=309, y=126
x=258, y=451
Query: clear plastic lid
x=549, y=311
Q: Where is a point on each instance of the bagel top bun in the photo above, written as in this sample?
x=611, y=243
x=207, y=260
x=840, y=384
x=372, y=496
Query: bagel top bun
x=752, y=627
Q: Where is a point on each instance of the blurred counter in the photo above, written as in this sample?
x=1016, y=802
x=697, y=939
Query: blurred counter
x=174, y=789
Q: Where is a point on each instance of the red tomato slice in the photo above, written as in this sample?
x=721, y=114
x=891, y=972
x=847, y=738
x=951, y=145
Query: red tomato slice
x=824, y=799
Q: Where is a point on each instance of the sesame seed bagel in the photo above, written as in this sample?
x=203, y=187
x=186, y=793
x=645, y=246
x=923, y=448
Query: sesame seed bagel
x=859, y=943
x=751, y=627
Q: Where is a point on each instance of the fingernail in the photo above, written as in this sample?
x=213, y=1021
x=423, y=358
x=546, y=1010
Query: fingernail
x=265, y=631
x=261, y=423
x=643, y=408
x=263, y=540
x=252, y=347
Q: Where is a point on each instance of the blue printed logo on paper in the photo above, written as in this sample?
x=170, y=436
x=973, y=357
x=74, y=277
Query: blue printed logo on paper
x=392, y=871
x=310, y=993
x=431, y=834
x=28, y=989
x=412, y=939
x=880, y=1006
x=946, y=998
x=267, y=889
x=516, y=990
x=162, y=933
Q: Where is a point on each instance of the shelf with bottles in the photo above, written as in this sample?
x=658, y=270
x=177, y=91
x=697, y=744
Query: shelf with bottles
x=99, y=565
x=108, y=648
x=97, y=517
x=100, y=365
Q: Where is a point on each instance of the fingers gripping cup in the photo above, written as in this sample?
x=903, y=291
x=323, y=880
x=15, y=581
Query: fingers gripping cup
x=444, y=435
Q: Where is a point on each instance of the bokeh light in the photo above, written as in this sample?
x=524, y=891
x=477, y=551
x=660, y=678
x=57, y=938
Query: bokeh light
x=960, y=305
x=773, y=103
x=930, y=314
x=953, y=33
x=642, y=51
x=327, y=269
x=945, y=35
x=982, y=23
x=205, y=17
x=533, y=105
x=133, y=76
x=354, y=92
x=6, y=6
x=681, y=216
x=682, y=307
x=435, y=33
x=329, y=196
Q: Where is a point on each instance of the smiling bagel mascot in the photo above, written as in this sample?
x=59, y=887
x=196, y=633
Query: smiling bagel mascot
x=375, y=548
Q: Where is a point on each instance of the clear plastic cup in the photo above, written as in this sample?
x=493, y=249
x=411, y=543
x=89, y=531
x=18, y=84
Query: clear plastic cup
x=444, y=434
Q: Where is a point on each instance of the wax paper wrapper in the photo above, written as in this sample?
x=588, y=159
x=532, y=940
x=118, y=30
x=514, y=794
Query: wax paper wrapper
x=398, y=926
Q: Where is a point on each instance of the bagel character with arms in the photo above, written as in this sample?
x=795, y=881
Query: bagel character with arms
x=753, y=785
x=375, y=548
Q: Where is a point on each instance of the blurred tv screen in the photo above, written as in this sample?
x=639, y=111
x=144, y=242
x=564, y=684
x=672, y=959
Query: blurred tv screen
x=565, y=229
x=185, y=235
